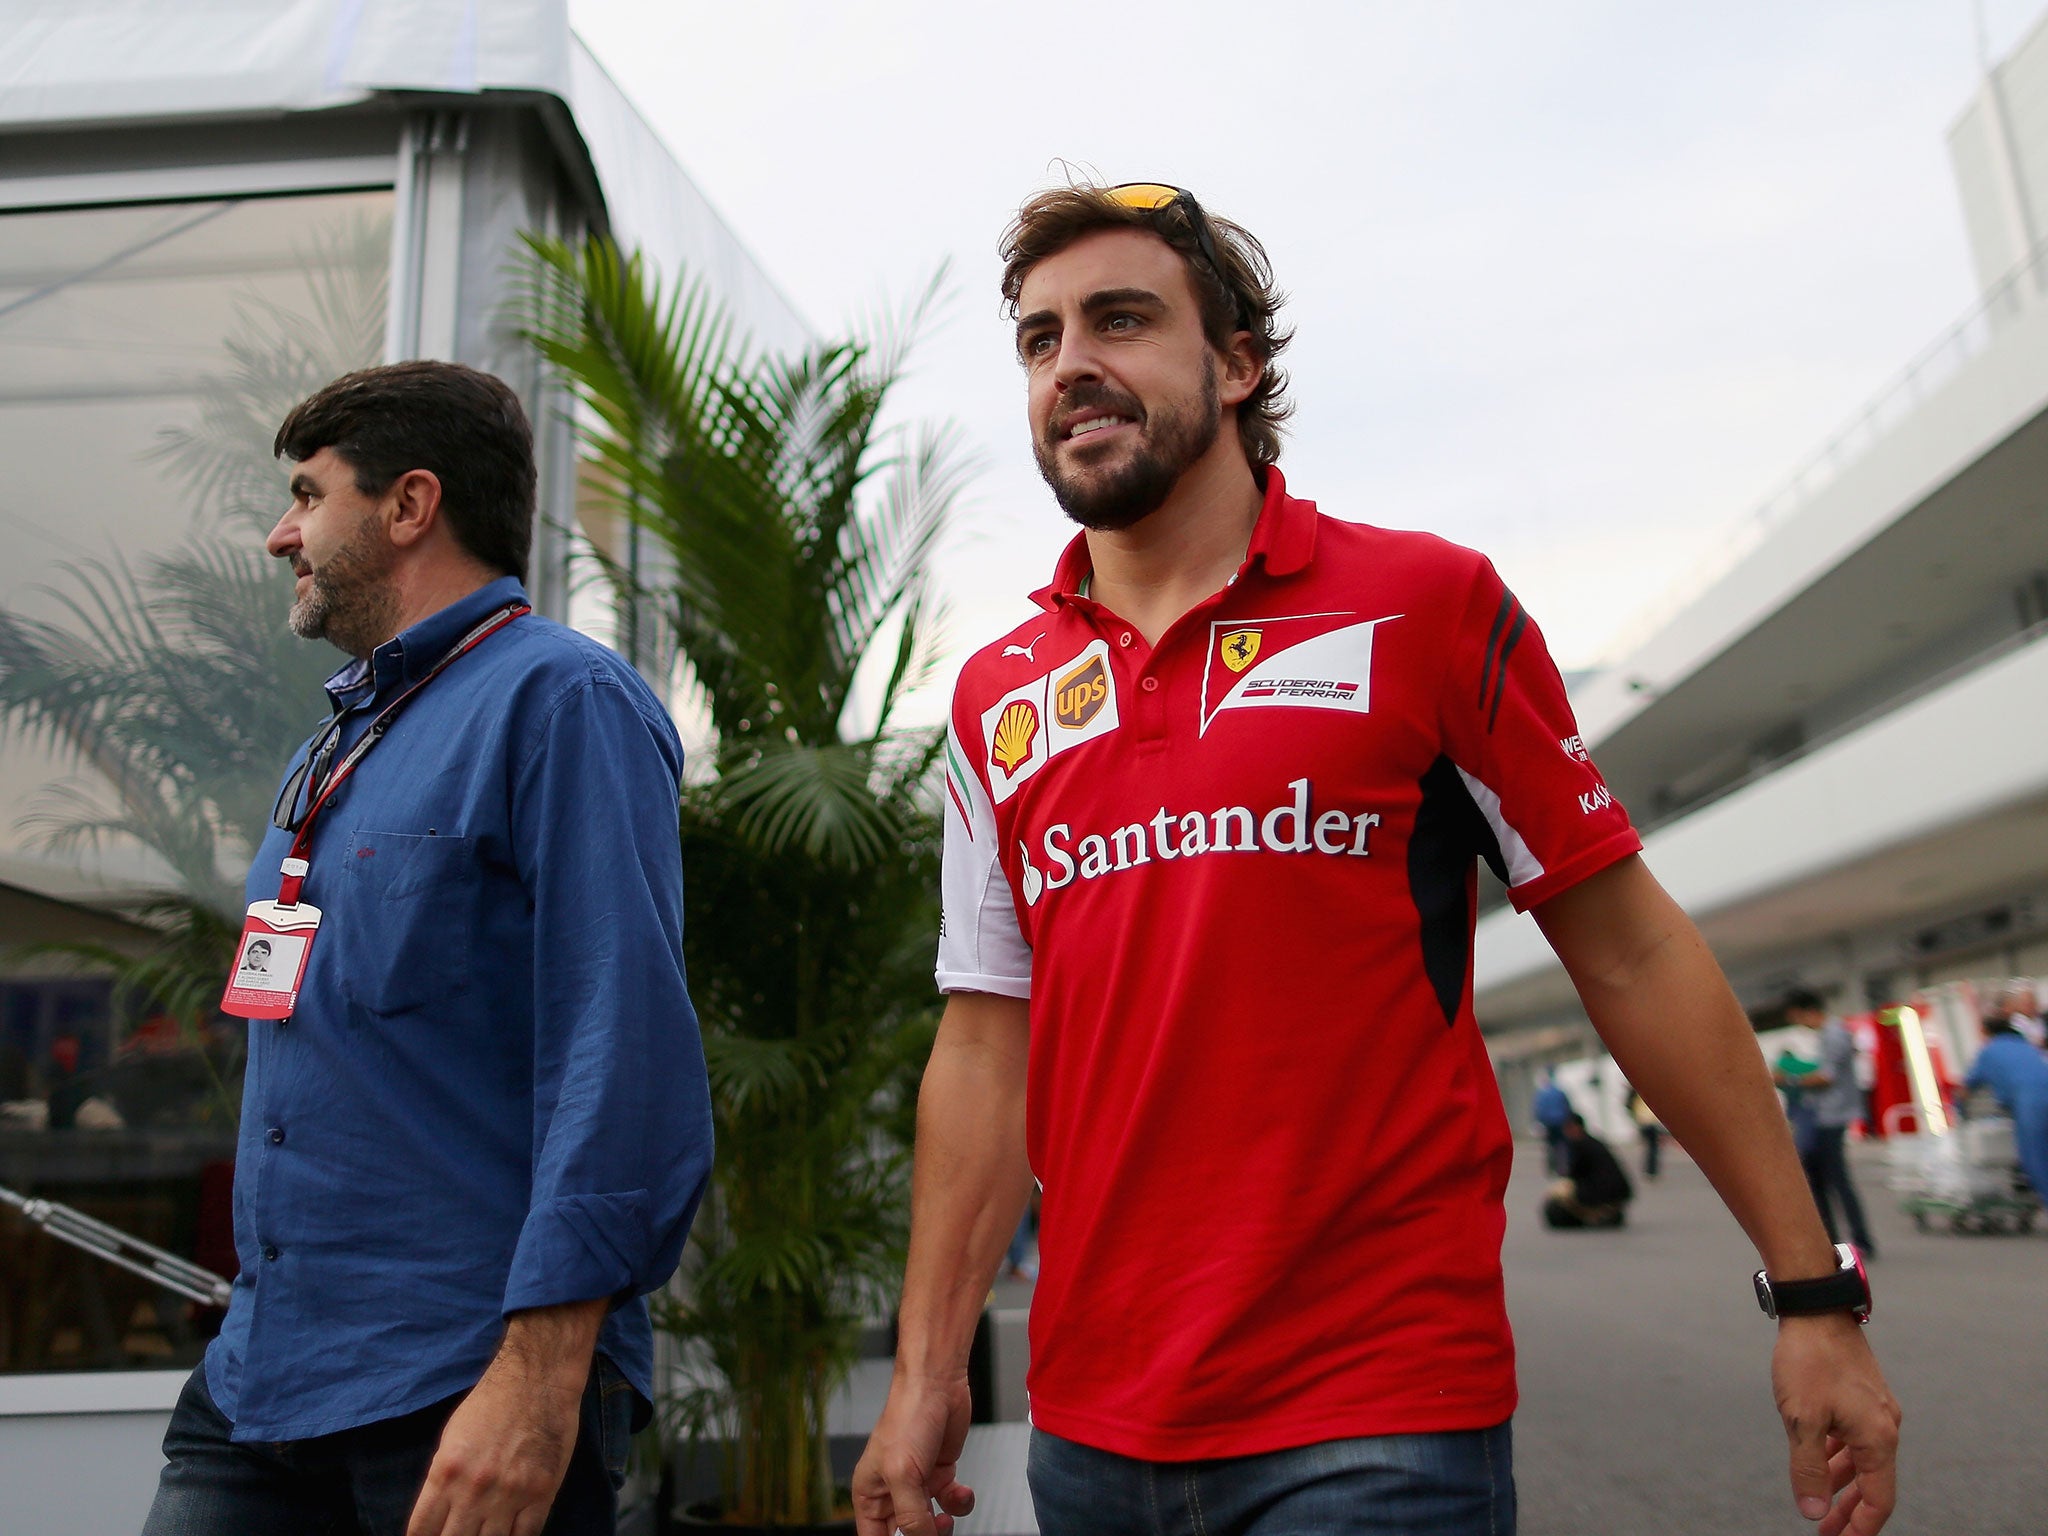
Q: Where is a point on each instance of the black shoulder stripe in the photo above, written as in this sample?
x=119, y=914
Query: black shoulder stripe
x=1500, y=620
x=1507, y=649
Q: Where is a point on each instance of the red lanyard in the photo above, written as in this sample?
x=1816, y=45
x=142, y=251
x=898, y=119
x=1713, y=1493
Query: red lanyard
x=295, y=865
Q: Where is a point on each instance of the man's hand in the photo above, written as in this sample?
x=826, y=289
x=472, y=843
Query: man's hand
x=1842, y=1420
x=504, y=1451
x=912, y=1458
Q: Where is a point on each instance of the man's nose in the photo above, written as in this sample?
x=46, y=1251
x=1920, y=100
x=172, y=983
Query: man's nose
x=283, y=537
x=1077, y=360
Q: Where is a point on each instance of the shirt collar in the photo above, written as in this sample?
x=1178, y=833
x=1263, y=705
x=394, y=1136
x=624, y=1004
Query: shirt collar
x=1283, y=542
x=407, y=656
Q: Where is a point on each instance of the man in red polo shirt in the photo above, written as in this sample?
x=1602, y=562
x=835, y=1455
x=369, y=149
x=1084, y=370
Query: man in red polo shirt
x=1213, y=823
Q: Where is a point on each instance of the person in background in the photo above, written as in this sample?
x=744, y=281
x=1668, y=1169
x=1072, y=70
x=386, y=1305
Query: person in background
x=2017, y=1075
x=64, y=1084
x=1594, y=1191
x=2018, y=1006
x=1786, y=1072
x=1550, y=1109
x=1651, y=1129
x=1835, y=1103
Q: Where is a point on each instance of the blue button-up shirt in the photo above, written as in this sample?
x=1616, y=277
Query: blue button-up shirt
x=2014, y=1071
x=492, y=1094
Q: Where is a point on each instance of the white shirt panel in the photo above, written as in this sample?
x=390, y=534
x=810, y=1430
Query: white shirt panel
x=981, y=948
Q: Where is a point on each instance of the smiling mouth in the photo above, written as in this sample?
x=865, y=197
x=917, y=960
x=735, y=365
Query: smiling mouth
x=1095, y=424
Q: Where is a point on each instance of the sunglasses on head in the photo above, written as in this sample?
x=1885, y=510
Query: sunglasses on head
x=1157, y=197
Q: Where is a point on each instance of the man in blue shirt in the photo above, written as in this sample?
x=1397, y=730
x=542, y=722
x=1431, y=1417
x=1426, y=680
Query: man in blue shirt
x=478, y=1139
x=2017, y=1075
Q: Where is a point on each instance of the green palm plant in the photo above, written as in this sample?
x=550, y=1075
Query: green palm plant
x=174, y=679
x=793, y=535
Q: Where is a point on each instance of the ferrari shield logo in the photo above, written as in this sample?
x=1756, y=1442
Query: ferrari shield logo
x=1240, y=649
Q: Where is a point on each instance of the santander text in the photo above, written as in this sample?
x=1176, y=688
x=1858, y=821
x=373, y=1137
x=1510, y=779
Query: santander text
x=1294, y=826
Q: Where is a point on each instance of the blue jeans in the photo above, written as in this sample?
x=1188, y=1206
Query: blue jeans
x=1458, y=1483
x=1827, y=1173
x=362, y=1480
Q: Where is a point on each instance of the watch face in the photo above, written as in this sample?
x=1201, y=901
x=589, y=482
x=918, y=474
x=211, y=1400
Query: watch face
x=1763, y=1294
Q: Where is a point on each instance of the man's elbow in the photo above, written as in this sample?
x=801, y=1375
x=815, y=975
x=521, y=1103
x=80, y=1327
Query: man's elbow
x=1615, y=929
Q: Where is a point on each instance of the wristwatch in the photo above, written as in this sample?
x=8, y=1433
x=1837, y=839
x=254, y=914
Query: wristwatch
x=1846, y=1290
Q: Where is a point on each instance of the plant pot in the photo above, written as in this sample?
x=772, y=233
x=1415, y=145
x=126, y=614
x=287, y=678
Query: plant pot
x=685, y=1510
x=704, y=1520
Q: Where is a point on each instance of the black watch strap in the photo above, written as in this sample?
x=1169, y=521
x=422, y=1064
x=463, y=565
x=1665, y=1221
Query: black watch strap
x=1846, y=1290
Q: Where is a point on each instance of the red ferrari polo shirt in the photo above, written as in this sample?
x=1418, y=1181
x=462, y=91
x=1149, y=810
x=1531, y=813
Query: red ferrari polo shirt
x=1236, y=876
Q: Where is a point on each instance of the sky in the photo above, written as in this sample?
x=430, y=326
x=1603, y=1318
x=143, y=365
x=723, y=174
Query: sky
x=1578, y=284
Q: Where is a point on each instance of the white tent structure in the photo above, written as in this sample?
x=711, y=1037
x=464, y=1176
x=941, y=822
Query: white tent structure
x=181, y=184
x=205, y=211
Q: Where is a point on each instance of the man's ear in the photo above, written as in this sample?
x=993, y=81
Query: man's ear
x=413, y=507
x=1239, y=369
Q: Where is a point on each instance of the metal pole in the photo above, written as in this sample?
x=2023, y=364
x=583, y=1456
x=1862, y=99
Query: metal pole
x=1920, y=1072
x=67, y=1225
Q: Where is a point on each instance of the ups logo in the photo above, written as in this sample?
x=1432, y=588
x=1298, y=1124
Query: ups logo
x=1078, y=697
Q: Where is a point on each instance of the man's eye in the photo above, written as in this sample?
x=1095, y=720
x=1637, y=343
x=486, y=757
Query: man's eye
x=1119, y=322
x=1037, y=346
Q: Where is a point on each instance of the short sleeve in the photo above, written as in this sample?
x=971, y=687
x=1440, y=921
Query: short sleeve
x=981, y=946
x=1509, y=731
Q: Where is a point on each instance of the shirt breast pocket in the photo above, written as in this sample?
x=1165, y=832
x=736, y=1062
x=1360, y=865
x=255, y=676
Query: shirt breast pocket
x=412, y=919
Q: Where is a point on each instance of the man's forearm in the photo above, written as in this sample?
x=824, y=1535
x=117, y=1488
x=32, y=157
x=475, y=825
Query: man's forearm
x=552, y=1346
x=971, y=1180
x=1654, y=992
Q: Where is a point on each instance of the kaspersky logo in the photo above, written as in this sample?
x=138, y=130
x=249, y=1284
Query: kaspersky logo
x=1302, y=661
x=1061, y=708
x=1296, y=825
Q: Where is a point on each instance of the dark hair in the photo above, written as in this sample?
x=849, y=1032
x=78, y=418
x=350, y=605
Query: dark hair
x=467, y=427
x=2000, y=1024
x=1805, y=1000
x=1575, y=1118
x=1241, y=297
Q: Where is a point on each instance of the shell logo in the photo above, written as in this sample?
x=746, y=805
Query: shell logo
x=1015, y=733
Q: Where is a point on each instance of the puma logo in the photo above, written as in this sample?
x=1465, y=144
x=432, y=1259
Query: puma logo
x=1025, y=650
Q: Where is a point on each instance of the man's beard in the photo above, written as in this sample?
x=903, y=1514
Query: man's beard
x=349, y=604
x=1174, y=439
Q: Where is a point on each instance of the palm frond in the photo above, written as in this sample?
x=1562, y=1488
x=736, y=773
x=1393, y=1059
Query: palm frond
x=789, y=536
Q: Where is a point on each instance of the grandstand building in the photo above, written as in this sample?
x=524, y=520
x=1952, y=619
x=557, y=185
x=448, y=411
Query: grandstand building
x=1836, y=746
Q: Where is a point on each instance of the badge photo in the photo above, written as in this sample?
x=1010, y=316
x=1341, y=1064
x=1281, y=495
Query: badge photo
x=277, y=941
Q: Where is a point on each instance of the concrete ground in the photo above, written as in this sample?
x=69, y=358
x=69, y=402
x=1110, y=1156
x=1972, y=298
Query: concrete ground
x=1645, y=1365
x=1646, y=1402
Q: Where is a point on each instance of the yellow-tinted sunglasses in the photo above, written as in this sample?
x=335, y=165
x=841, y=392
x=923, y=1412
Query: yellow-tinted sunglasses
x=1156, y=197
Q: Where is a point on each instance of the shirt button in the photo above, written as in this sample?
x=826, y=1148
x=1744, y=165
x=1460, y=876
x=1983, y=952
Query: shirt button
x=1124, y=638
x=276, y=1135
x=270, y=1253
x=1151, y=685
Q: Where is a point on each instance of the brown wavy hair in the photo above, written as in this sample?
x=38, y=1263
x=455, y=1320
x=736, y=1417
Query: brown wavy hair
x=1242, y=297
